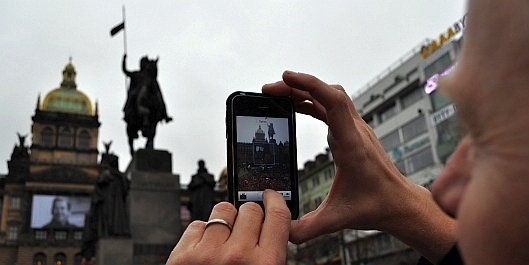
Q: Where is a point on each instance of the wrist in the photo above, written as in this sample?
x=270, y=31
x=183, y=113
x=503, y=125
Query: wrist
x=421, y=224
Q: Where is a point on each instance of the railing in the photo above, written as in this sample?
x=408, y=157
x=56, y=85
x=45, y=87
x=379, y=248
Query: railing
x=392, y=67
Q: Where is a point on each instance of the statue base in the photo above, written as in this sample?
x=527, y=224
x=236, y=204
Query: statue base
x=111, y=251
x=154, y=205
x=148, y=160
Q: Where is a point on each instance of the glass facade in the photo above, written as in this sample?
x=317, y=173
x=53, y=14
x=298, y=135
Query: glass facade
x=414, y=128
x=444, y=119
x=390, y=140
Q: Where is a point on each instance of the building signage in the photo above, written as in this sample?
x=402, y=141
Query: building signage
x=433, y=45
x=399, y=151
x=431, y=82
x=443, y=114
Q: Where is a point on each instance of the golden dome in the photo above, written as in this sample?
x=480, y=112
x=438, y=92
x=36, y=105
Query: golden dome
x=67, y=98
x=259, y=134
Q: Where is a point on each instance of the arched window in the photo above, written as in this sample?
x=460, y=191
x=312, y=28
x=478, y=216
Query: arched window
x=46, y=137
x=84, y=140
x=59, y=259
x=39, y=259
x=65, y=139
x=78, y=258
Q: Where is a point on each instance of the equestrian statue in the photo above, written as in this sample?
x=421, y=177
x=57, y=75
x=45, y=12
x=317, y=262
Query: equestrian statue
x=145, y=106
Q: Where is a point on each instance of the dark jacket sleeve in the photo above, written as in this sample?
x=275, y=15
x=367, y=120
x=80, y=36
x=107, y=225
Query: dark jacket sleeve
x=452, y=258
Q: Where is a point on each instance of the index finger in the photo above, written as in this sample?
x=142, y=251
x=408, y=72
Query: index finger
x=340, y=111
x=327, y=95
x=276, y=226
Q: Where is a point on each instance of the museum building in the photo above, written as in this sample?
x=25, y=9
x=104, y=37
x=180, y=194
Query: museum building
x=46, y=192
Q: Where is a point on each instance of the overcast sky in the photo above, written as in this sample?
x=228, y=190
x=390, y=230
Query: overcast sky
x=207, y=50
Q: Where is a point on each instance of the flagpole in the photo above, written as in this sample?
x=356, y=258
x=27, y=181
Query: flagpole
x=124, y=32
x=125, y=44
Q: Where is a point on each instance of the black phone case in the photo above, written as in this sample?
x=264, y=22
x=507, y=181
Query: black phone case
x=294, y=209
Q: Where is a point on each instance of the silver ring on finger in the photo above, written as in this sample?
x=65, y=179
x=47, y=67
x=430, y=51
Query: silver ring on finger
x=219, y=221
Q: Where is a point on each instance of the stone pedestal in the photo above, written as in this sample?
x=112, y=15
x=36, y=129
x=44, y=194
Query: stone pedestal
x=154, y=204
x=112, y=251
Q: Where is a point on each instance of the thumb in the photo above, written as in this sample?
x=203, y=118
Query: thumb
x=313, y=224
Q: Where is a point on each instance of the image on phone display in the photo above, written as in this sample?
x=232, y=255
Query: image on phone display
x=261, y=148
x=263, y=157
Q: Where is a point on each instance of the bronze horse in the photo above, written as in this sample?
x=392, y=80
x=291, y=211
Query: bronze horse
x=271, y=131
x=145, y=106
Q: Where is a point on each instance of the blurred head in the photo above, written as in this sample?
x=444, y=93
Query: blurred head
x=61, y=210
x=485, y=184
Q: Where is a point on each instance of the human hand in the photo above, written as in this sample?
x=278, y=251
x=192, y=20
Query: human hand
x=252, y=241
x=368, y=190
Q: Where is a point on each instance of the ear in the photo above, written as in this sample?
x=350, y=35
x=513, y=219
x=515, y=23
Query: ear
x=157, y=58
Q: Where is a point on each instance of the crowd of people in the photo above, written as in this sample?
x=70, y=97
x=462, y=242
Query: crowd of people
x=257, y=179
x=477, y=212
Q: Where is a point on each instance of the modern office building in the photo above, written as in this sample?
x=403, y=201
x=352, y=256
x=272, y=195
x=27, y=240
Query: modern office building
x=418, y=128
x=413, y=121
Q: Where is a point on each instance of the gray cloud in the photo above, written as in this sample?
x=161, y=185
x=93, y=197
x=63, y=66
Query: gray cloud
x=207, y=50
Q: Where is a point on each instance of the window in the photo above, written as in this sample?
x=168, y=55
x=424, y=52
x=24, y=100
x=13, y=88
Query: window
x=370, y=121
x=316, y=181
x=414, y=128
x=41, y=235
x=304, y=187
x=317, y=202
x=185, y=214
x=439, y=100
x=78, y=235
x=84, y=140
x=401, y=167
x=46, y=137
x=438, y=65
x=78, y=258
x=412, y=97
x=15, y=203
x=59, y=259
x=65, y=139
x=390, y=140
x=39, y=259
x=388, y=112
x=306, y=207
x=60, y=235
x=328, y=174
x=12, y=233
x=420, y=160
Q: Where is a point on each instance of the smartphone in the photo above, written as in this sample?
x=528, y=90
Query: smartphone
x=261, y=145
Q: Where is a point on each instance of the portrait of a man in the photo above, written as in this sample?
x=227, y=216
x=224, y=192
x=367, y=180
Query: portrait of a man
x=61, y=211
x=57, y=211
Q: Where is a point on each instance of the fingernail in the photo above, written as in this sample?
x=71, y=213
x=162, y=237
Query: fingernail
x=266, y=191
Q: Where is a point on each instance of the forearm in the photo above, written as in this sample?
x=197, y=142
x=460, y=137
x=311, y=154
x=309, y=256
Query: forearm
x=422, y=225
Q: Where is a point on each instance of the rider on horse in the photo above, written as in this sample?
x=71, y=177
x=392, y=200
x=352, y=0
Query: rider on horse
x=145, y=106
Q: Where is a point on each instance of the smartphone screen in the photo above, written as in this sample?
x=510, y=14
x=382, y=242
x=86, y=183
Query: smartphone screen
x=261, y=148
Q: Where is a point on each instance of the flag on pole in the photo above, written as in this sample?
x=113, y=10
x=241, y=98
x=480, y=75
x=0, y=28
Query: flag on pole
x=117, y=29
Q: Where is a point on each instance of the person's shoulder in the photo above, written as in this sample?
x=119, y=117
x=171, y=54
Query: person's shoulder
x=55, y=225
x=48, y=226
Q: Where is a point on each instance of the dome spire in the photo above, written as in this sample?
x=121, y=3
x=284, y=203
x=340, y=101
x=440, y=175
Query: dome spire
x=68, y=76
x=38, y=102
x=67, y=98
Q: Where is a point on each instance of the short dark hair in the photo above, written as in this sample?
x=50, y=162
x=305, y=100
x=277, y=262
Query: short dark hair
x=61, y=199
